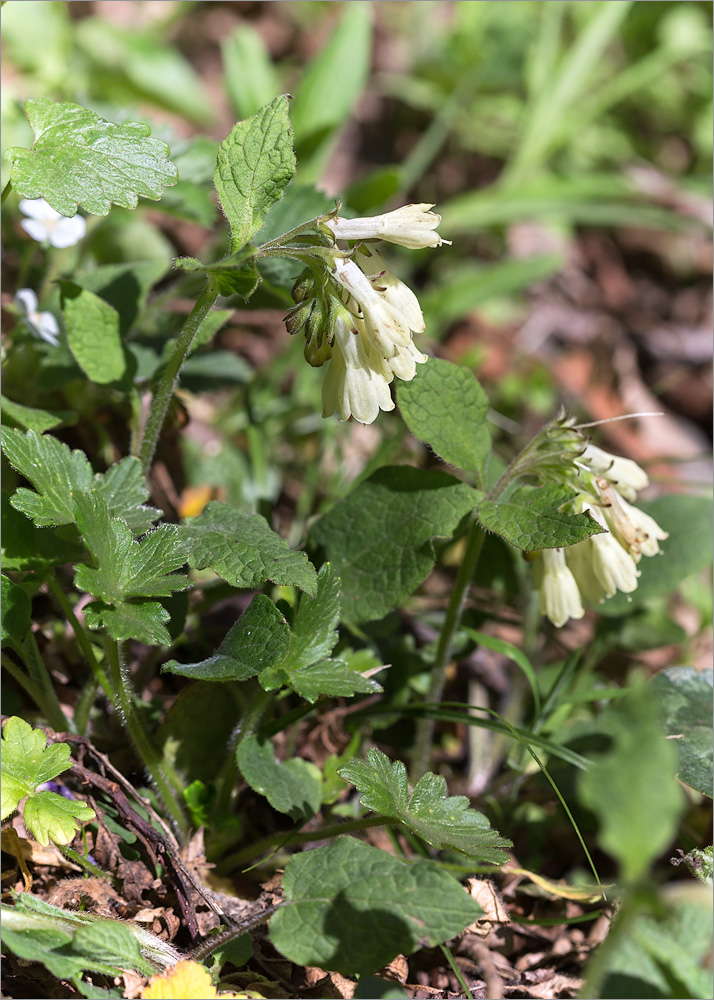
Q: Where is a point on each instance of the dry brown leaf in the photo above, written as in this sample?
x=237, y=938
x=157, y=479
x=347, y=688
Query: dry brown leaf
x=488, y=898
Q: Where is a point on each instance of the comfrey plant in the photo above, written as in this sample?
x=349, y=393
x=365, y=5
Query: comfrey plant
x=85, y=536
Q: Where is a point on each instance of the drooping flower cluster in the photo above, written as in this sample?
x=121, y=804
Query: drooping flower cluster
x=362, y=318
x=598, y=567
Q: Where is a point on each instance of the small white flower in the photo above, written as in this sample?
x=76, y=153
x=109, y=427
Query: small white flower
x=404, y=361
x=42, y=324
x=357, y=382
x=614, y=567
x=46, y=225
x=636, y=531
x=411, y=226
x=559, y=594
x=625, y=474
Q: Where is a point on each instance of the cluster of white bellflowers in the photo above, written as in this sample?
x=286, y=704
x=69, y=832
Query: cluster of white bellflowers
x=359, y=316
x=605, y=563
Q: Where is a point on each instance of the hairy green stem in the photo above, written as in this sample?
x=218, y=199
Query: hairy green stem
x=165, y=389
x=246, y=727
x=41, y=679
x=425, y=726
x=232, y=861
x=82, y=638
x=167, y=785
x=25, y=683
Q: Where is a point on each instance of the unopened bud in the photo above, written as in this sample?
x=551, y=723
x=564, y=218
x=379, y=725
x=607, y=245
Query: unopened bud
x=316, y=355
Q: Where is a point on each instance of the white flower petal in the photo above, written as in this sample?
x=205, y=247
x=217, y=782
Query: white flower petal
x=636, y=531
x=559, y=594
x=614, y=567
x=37, y=230
x=68, y=232
x=37, y=208
x=626, y=475
x=47, y=327
x=26, y=300
x=411, y=226
x=353, y=386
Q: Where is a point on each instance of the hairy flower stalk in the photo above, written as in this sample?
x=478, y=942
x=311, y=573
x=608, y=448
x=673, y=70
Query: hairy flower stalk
x=358, y=316
x=598, y=567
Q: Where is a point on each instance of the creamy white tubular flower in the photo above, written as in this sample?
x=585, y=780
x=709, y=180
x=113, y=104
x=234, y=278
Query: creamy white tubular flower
x=580, y=560
x=614, y=567
x=354, y=386
x=399, y=296
x=387, y=329
x=625, y=474
x=42, y=324
x=637, y=532
x=404, y=362
x=46, y=225
x=411, y=226
x=559, y=594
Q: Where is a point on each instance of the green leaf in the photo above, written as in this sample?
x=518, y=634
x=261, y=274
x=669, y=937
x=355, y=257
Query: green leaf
x=331, y=86
x=353, y=908
x=688, y=519
x=233, y=275
x=632, y=788
x=379, y=538
x=140, y=620
x=306, y=665
x=331, y=677
x=257, y=640
x=126, y=567
x=111, y=940
x=192, y=198
x=243, y=550
x=293, y=787
x=57, y=473
x=69, y=943
x=125, y=286
x=80, y=160
x=182, y=733
x=446, y=408
x=93, y=334
x=28, y=762
x=53, y=469
x=374, y=988
x=250, y=77
x=50, y=817
x=124, y=490
x=17, y=415
x=16, y=611
x=685, y=696
x=138, y=66
x=531, y=518
x=444, y=822
x=255, y=163
x=661, y=951
x=26, y=547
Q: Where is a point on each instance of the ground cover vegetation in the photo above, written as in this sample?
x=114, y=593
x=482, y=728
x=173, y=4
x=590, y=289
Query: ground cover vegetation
x=356, y=499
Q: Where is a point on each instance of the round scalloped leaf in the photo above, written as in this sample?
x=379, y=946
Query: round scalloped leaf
x=80, y=160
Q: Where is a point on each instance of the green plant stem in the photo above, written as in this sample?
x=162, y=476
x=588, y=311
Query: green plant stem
x=41, y=679
x=168, y=789
x=82, y=638
x=167, y=384
x=446, y=952
x=5, y=192
x=232, y=862
x=246, y=727
x=25, y=683
x=425, y=726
